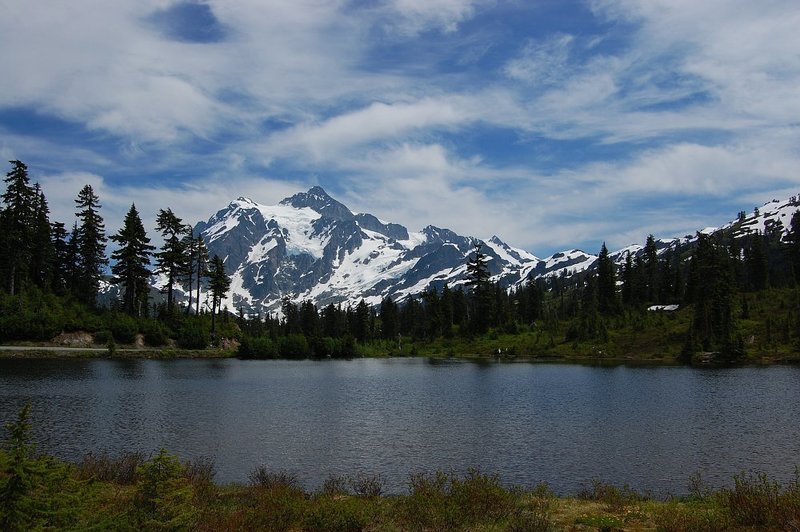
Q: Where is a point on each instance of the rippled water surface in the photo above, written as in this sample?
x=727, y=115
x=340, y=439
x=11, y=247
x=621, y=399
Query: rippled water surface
x=564, y=424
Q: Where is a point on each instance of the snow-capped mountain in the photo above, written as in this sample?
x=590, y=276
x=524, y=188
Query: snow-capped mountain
x=311, y=247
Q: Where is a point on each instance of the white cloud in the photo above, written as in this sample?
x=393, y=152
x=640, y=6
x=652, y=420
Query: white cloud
x=542, y=63
x=413, y=16
x=376, y=122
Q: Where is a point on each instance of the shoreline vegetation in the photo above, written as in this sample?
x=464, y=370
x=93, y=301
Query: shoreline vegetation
x=160, y=492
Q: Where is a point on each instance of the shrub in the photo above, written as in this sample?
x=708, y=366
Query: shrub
x=155, y=334
x=442, y=501
x=428, y=504
x=754, y=500
x=334, y=485
x=200, y=471
x=294, y=346
x=262, y=477
x=480, y=496
x=163, y=495
x=615, y=499
x=36, y=492
x=366, y=485
x=257, y=347
x=123, y=328
x=193, y=335
x=332, y=514
x=120, y=469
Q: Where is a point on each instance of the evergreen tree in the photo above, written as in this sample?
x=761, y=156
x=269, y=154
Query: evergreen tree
x=628, y=280
x=190, y=267
x=481, y=294
x=17, y=220
x=756, y=265
x=90, y=245
x=711, y=291
x=70, y=265
x=201, y=267
x=42, y=255
x=361, y=329
x=309, y=319
x=171, y=260
x=390, y=324
x=132, y=258
x=447, y=311
x=218, y=284
x=793, y=239
x=607, y=302
x=61, y=259
x=650, y=266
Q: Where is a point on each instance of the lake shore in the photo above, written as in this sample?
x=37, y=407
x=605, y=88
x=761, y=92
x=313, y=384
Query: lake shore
x=130, y=491
x=45, y=351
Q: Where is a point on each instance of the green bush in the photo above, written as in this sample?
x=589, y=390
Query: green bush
x=757, y=500
x=123, y=327
x=194, y=335
x=155, y=334
x=103, y=467
x=164, y=494
x=337, y=514
x=257, y=347
x=480, y=496
x=294, y=346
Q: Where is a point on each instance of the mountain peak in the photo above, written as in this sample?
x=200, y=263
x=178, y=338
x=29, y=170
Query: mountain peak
x=317, y=199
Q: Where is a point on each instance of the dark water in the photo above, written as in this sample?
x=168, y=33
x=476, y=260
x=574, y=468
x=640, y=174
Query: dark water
x=564, y=424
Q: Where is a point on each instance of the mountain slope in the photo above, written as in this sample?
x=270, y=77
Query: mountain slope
x=312, y=247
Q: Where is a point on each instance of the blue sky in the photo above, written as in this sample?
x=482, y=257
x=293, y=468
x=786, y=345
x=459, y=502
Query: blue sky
x=553, y=124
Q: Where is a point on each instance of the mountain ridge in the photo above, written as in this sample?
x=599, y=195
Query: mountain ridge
x=312, y=247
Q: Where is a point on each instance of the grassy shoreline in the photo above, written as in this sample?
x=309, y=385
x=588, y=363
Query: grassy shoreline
x=130, y=492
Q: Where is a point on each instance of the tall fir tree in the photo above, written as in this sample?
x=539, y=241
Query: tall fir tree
x=171, y=259
x=481, y=294
x=218, y=284
x=42, y=255
x=201, y=268
x=17, y=220
x=607, y=301
x=90, y=242
x=61, y=264
x=132, y=260
x=650, y=264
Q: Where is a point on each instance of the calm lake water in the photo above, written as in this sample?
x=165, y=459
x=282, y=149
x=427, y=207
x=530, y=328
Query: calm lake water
x=563, y=424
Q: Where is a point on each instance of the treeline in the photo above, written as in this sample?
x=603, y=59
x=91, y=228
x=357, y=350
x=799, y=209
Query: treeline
x=50, y=278
x=711, y=276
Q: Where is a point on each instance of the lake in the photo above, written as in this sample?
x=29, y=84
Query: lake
x=650, y=427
